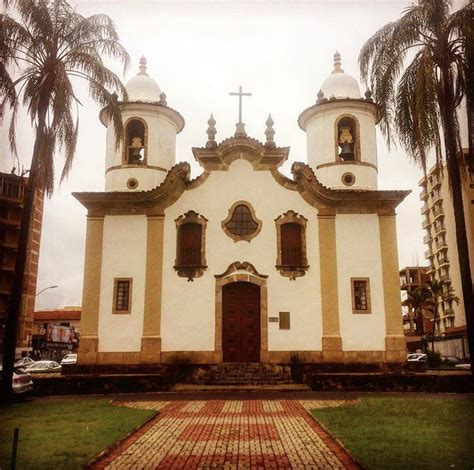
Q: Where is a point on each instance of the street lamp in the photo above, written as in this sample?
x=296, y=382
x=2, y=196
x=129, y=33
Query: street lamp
x=46, y=288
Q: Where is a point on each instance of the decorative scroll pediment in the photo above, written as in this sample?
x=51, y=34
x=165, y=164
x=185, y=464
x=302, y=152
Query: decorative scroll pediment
x=238, y=266
x=220, y=157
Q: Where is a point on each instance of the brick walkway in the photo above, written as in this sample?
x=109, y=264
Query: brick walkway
x=230, y=434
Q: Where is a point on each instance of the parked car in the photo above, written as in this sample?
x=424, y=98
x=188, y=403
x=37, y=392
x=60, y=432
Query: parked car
x=69, y=359
x=42, y=367
x=452, y=360
x=24, y=362
x=22, y=384
x=465, y=366
x=416, y=357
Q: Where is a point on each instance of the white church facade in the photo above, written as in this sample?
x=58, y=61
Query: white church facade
x=242, y=264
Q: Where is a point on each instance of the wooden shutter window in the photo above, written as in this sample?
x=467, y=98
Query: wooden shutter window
x=122, y=295
x=291, y=245
x=189, y=241
x=360, y=295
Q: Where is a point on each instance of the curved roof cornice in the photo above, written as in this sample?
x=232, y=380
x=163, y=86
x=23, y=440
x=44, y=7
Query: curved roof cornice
x=220, y=157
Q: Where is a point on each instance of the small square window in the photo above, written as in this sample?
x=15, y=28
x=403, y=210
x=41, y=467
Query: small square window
x=284, y=320
x=360, y=295
x=122, y=295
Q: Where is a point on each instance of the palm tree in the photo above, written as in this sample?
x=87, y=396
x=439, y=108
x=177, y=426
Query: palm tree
x=419, y=96
x=418, y=300
x=42, y=56
x=440, y=291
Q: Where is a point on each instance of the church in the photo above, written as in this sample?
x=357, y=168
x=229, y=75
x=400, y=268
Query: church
x=242, y=264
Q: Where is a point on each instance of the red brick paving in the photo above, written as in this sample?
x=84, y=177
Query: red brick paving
x=228, y=434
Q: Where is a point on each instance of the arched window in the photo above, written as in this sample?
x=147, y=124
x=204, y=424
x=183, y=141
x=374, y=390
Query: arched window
x=291, y=245
x=347, y=139
x=135, y=142
x=241, y=222
x=190, y=245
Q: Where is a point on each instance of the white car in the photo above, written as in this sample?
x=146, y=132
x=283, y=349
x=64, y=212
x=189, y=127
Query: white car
x=22, y=384
x=69, y=359
x=416, y=357
x=24, y=362
x=41, y=367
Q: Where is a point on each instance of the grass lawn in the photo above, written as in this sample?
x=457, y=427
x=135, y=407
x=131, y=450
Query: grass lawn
x=63, y=433
x=405, y=433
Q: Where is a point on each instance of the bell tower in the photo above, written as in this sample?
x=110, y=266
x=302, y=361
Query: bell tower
x=340, y=129
x=148, y=151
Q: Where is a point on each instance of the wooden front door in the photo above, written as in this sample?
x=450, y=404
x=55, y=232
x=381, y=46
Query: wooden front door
x=241, y=322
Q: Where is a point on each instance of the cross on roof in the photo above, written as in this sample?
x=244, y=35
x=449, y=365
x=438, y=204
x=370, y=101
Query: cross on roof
x=240, y=94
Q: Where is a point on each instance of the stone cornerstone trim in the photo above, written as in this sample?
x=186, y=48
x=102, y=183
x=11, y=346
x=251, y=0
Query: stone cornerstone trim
x=221, y=282
x=151, y=339
x=395, y=340
x=89, y=343
x=331, y=339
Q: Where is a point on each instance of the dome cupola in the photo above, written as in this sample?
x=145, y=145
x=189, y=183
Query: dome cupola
x=142, y=87
x=340, y=85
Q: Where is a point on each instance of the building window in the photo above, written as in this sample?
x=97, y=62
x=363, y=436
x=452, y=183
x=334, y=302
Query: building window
x=190, y=245
x=291, y=245
x=284, y=320
x=347, y=142
x=135, y=142
x=241, y=222
x=122, y=295
x=360, y=295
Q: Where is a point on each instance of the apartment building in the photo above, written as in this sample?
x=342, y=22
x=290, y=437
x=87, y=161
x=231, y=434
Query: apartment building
x=12, y=192
x=440, y=240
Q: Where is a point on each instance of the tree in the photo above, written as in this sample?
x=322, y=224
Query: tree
x=42, y=56
x=440, y=290
x=419, y=70
x=418, y=300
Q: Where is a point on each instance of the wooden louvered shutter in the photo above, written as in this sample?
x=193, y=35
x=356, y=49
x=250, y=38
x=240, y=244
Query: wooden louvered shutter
x=190, y=245
x=291, y=241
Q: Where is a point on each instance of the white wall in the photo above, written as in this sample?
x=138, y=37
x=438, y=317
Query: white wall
x=123, y=255
x=188, y=308
x=359, y=255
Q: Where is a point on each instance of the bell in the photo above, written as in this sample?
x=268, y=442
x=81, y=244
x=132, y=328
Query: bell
x=346, y=151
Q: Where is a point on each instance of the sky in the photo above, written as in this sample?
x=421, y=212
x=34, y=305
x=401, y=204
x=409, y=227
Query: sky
x=198, y=52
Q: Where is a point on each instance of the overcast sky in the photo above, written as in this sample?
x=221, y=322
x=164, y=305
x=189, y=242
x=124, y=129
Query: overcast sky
x=198, y=52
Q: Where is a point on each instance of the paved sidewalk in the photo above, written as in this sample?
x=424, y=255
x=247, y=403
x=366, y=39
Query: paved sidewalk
x=230, y=434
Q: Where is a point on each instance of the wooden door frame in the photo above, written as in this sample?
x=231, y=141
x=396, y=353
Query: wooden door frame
x=262, y=283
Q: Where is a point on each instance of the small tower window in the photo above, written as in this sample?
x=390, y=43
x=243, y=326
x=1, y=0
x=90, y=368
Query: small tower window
x=135, y=138
x=347, y=139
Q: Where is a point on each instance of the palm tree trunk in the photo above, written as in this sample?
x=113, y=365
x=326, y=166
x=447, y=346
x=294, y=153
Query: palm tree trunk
x=14, y=301
x=453, y=161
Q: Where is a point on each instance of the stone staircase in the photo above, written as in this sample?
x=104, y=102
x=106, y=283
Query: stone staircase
x=237, y=374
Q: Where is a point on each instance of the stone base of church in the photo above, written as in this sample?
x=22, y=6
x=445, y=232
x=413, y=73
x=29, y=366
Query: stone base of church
x=148, y=356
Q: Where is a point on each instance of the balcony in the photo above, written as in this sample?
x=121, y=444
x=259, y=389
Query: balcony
x=426, y=223
x=443, y=262
x=428, y=254
x=437, y=213
x=424, y=209
x=441, y=245
x=436, y=182
x=12, y=187
x=423, y=194
x=437, y=197
x=445, y=278
x=427, y=238
x=440, y=228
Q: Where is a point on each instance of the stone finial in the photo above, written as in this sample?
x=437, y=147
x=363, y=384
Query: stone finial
x=321, y=97
x=368, y=95
x=142, y=66
x=162, y=101
x=270, y=132
x=337, y=63
x=211, y=133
